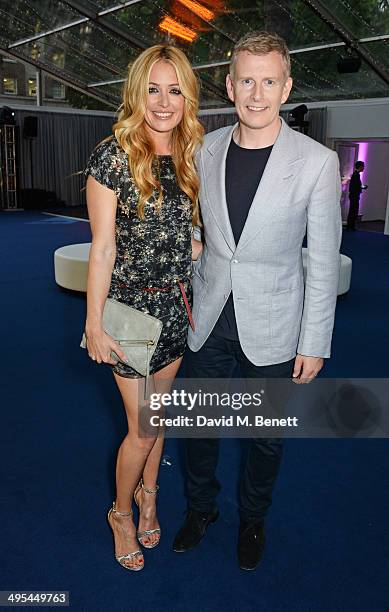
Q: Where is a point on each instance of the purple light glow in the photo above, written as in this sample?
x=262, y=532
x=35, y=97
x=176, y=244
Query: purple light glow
x=363, y=154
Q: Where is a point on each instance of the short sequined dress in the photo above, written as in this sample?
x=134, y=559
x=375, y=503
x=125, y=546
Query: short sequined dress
x=153, y=254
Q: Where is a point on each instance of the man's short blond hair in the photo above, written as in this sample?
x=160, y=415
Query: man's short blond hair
x=260, y=43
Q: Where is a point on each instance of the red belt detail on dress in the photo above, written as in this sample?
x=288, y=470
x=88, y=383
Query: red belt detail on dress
x=152, y=289
x=188, y=310
x=184, y=297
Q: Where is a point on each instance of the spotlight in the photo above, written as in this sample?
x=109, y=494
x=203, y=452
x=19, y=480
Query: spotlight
x=296, y=119
x=299, y=113
x=7, y=116
x=349, y=64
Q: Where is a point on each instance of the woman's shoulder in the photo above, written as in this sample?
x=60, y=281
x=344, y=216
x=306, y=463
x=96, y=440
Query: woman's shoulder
x=107, y=163
x=107, y=148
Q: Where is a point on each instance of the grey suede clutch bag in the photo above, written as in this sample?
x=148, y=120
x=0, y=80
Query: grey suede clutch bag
x=136, y=332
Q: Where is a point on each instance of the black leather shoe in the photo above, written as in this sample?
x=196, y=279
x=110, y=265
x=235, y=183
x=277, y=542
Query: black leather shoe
x=251, y=544
x=193, y=530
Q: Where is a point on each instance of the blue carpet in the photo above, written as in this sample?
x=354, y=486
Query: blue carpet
x=62, y=421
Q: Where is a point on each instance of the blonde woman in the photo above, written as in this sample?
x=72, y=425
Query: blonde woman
x=142, y=195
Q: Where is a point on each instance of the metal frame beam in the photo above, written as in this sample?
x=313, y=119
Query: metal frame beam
x=213, y=26
x=124, y=5
x=65, y=45
x=292, y=52
x=88, y=16
x=68, y=47
x=317, y=6
x=97, y=62
x=59, y=77
x=99, y=19
x=62, y=28
x=117, y=30
x=349, y=39
x=215, y=89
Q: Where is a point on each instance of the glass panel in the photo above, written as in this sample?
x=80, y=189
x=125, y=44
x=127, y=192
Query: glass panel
x=205, y=29
x=211, y=99
x=216, y=26
x=87, y=51
x=308, y=29
x=313, y=82
x=114, y=91
x=101, y=5
x=295, y=21
x=21, y=18
x=216, y=75
x=143, y=20
x=76, y=99
x=380, y=51
x=363, y=18
x=54, y=89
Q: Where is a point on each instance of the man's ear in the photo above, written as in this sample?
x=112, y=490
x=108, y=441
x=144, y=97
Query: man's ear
x=230, y=88
x=286, y=90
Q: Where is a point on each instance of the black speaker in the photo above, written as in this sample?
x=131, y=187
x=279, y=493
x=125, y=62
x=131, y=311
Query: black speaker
x=349, y=64
x=38, y=199
x=30, y=127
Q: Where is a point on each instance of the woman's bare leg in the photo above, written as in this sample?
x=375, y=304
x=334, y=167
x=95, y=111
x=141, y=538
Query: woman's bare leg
x=131, y=458
x=147, y=516
x=138, y=456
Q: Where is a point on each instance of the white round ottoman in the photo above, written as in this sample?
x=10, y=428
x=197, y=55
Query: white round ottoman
x=71, y=266
x=346, y=265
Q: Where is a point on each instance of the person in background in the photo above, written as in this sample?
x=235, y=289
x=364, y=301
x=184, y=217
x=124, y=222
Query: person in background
x=355, y=190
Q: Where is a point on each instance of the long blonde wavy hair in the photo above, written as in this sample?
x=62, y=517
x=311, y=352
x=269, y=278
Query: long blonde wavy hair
x=131, y=134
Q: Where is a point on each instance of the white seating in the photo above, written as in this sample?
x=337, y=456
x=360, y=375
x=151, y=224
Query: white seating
x=71, y=267
x=346, y=265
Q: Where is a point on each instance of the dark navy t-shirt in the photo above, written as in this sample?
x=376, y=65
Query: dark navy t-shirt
x=244, y=170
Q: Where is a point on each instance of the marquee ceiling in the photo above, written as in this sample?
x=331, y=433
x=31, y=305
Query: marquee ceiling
x=88, y=44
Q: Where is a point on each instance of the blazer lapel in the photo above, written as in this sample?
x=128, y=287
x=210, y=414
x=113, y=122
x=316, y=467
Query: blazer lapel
x=282, y=166
x=214, y=169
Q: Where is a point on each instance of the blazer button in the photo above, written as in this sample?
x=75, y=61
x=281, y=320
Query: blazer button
x=235, y=261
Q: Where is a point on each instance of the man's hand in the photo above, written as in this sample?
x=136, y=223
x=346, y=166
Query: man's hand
x=306, y=368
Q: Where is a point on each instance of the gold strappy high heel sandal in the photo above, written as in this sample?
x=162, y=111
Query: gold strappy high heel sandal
x=147, y=532
x=131, y=555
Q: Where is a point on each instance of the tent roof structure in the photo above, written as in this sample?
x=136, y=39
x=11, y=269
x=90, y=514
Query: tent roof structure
x=88, y=44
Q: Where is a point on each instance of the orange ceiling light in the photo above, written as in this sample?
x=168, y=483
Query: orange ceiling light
x=218, y=5
x=171, y=26
x=198, y=9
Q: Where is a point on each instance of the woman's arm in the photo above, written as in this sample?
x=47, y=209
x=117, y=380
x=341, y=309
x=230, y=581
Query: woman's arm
x=102, y=203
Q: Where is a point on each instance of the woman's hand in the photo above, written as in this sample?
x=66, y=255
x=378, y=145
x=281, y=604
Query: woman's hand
x=100, y=344
x=197, y=247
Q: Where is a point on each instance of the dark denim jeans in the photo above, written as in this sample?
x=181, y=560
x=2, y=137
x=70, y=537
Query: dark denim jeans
x=218, y=358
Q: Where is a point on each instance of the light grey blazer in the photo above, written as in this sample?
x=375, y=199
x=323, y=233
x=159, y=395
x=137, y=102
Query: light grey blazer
x=276, y=314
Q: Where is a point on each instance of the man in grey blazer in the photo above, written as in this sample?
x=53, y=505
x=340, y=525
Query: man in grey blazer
x=263, y=187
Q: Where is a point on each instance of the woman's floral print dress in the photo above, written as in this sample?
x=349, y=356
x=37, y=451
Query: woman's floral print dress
x=151, y=255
